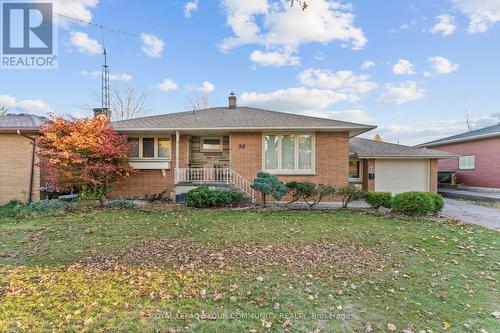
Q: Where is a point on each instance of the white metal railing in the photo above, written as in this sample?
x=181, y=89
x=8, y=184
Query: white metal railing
x=214, y=175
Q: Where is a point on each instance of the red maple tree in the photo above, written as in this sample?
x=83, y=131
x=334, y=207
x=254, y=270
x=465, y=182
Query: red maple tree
x=82, y=154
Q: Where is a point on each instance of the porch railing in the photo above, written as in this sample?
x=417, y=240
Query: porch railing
x=207, y=176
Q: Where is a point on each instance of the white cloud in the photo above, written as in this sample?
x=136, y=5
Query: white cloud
x=35, y=106
x=401, y=93
x=152, y=45
x=112, y=76
x=84, y=44
x=442, y=65
x=206, y=87
x=167, y=85
x=483, y=14
x=276, y=59
x=351, y=115
x=190, y=7
x=445, y=25
x=79, y=9
x=367, y=64
x=431, y=130
x=295, y=99
x=403, y=67
x=341, y=81
x=286, y=27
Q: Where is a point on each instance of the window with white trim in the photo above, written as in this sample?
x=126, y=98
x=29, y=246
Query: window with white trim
x=355, y=170
x=211, y=144
x=149, y=148
x=467, y=162
x=288, y=153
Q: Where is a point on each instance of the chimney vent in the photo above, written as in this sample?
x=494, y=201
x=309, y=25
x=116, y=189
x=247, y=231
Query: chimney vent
x=102, y=112
x=232, y=100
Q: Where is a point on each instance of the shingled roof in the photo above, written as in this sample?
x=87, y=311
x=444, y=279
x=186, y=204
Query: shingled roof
x=471, y=135
x=364, y=148
x=240, y=118
x=23, y=121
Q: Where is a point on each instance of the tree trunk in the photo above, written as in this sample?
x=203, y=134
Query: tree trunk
x=263, y=203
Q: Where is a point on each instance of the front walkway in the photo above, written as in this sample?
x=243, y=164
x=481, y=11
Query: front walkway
x=471, y=213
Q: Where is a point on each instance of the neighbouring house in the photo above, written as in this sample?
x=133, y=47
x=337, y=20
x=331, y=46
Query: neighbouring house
x=230, y=145
x=477, y=157
x=19, y=174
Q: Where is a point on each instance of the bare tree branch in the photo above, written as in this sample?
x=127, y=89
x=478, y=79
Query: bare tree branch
x=3, y=111
x=127, y=102
x=197, y=101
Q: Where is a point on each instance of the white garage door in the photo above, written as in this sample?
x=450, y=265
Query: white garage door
x=398, y=176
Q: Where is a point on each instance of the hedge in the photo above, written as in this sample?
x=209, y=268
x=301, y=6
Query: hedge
x=414, y=203
x=378, y=199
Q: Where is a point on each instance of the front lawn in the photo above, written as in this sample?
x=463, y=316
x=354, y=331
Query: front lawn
x=180, y=270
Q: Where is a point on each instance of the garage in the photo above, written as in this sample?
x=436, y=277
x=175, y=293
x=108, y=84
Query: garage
x=401, y=175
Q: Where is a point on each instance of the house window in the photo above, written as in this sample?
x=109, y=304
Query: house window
x=211, y=144
x=355, y=170
x=288, y=153
x=467, y=162
x=133, y=147
x=164, y=148
x=149, y=148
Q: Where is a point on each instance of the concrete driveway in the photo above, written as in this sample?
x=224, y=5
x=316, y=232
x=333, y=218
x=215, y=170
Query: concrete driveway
x=470, y=213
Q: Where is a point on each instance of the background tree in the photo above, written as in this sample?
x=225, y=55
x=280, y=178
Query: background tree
x=83, y=154
x=3, y=111
x=268, y=184
x=197, y=101
x=128, y=102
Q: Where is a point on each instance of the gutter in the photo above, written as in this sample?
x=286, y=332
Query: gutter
x=32, y=171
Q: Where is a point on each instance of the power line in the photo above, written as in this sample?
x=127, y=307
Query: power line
x=100, y=26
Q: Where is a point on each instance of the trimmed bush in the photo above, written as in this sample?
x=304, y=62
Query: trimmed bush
x=413, y=203
x=119, y=203
x=203, y=197
x=311, y=193
x=377, y=199
x=42, y=206
x=349, y=193
x=438, y=202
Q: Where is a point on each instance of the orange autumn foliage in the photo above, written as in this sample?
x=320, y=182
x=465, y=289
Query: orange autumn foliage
x=82, y=153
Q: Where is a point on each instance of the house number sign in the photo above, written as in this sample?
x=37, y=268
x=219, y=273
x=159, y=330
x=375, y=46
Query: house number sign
x=241, y=146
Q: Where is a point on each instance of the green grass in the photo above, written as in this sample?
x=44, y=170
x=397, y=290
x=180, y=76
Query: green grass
x=301, y=271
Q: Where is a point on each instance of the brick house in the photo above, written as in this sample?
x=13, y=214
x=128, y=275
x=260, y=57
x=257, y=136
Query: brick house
x=19, y=175
x=477, y=158
x=230, y=145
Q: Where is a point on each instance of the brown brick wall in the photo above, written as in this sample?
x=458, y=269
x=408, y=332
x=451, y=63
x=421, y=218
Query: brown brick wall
x=15, y=168
x=332, y=158
x=433, y=174
x=368, y=184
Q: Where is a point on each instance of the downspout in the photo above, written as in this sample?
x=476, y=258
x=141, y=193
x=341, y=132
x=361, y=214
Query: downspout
x=32, y=173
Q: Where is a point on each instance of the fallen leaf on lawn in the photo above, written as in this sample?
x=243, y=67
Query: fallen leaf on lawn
x=276, y=306
x=391, y=327
x=496, y=314
x=446, y=325
x=287, y=323
x=368, y=327
x=259, y=278
x=233, y=298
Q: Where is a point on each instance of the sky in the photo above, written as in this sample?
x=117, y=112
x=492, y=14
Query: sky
x=416, y=69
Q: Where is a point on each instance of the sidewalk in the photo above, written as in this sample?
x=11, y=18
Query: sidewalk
x=469, y=195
